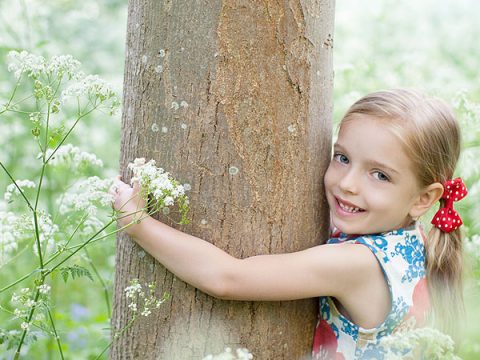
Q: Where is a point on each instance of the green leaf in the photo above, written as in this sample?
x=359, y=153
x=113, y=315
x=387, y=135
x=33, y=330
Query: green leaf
x=75, y=271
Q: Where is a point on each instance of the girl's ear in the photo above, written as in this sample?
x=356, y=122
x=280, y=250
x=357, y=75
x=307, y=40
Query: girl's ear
x=427, y=198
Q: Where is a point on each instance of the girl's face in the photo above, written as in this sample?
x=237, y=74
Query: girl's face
x=370, y=184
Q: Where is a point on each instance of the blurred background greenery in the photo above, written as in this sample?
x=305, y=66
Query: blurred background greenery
x=379, y=44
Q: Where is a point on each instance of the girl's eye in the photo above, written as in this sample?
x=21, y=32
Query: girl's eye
x=341, y=158
x=380, y=176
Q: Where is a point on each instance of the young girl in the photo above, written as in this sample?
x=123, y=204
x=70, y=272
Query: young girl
x=394, y=159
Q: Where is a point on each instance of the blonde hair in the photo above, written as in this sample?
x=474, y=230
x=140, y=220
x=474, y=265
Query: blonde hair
x=430, y=135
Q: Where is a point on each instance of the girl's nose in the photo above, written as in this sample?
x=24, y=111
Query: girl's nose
x=349, y=183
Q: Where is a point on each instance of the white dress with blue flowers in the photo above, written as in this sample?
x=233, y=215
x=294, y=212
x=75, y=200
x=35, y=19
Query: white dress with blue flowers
x=401, y=255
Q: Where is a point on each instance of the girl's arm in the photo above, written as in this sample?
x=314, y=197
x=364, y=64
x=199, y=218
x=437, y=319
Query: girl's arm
x=333, y=270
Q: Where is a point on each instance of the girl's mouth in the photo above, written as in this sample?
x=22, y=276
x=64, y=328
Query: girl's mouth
x=347, y=207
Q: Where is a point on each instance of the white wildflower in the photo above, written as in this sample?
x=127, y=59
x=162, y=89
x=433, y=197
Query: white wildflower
x=63, y=64
x=425, y=343
x=13, y=189
x=30, y=303
x=168, y=201
x=90, y=86
x=87, y=195
x=175, y=105
x=135, y=291
x=24, y=62
x=44, y=289
x=47, y=231
x=157, y=182
x=25, y=325
x=183, y=104
x=9, y=235
x=133, y=306
x=69, y=154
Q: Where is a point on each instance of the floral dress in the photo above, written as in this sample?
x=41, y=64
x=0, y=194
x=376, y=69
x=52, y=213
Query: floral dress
x=401, y=255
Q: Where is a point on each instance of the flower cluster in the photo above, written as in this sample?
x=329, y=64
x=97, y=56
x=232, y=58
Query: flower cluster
x=13, y=189
x=34, y=65
x=47, y=231
x=90, y=86
x=24, y=302
x=134, y=292
x=8, y=235
x=86, y=195
x=228, y=354
x=420, y=343
x=69, y=154
x=161, y=186
x=24, y=62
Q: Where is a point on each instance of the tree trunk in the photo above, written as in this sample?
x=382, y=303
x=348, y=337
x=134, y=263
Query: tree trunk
x=234, y=98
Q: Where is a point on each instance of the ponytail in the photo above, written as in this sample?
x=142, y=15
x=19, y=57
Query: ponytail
x=444, y=267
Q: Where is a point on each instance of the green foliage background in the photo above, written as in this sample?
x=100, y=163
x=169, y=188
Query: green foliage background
x=378, y=44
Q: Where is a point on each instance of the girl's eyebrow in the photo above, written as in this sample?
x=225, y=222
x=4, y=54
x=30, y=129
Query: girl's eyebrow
x=372, y=163
x=382, y=166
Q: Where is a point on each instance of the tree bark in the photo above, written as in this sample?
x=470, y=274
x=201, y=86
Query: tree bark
x=233, y=97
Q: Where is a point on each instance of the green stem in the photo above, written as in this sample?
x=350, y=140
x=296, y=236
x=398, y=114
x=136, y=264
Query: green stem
x=19, y=280
x=116, y=336
x=55, y=333
x=30, y=316
x=13, y=95
x=102, y=282
x=68, y=133
x=78, y=249
x=18, y=187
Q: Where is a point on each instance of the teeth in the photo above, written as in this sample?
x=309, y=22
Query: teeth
x=349, y=208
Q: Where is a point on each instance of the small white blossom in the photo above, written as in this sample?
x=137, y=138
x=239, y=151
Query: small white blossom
x=155, y=181
x=155, y=127
x=12, y=188
x=135, y=291
x=9, y=235
x=44, y=289
x=430, y=343
x=87, y=195
x=25, y=326
x=183, y=104
x=164, y=129
x=175, y=105
x=24, y=62
x=63, y=64
x=69, y=154
x=91, y=86
x=30, y=303
x=47, y=231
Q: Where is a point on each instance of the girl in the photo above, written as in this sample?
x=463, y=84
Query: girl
x=394, y=159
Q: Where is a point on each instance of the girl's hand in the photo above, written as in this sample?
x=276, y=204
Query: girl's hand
x=128, y=201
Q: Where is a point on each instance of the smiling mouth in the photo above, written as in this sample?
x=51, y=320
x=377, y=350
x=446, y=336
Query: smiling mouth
x=347, y=208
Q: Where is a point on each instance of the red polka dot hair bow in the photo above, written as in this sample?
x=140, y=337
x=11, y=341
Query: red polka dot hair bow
x=447, y=219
